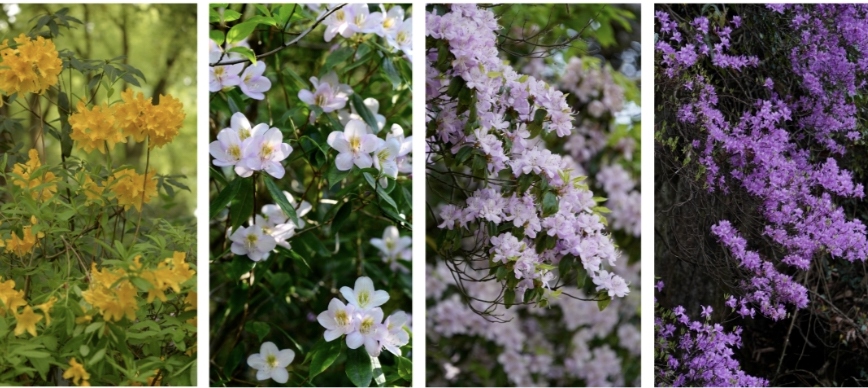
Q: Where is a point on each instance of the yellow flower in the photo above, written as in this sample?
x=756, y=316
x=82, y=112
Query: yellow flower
x=23, y=245
x=84, y=319
x=127, y=186
x=92, y=129
x=171, y=273
x=113, y=302
x=92, y=191
x=190, y=301
x=77, y=374
x=26, y=321
x=46, y=309
x=27, y=181
x=11, y=298
x=139, y=118
x=31, y=67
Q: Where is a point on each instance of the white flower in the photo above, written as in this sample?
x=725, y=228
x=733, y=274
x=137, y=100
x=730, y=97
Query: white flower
x=392, y=245
x=329, y=94
x=372, y=104
x=367, y=332
x=240, y=124
x=264, y=150
x=222, y=77
x=354, y=146
x=226, y=150
x=402, y=160
x=271, y=363
x=403, y=38
x=384, y=158
x=253, y=83
x=615, y=284
x=363, y=295
x=338, y=320
x=394, y=336
x=363, y=21
x=391, y=20
x=251, y=241
x=338, y=23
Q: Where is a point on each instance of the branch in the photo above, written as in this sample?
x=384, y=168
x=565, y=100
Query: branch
x=290, y=43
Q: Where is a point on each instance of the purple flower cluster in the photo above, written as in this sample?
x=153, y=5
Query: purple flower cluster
x=760, y=154
x=697, y=353
x=505, y=106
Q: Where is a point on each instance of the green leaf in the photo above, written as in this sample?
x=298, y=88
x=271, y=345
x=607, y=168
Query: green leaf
x=226, y=196
x=260, y=329
x=230, y=15
x=217, y=36
x=405, y=368
x=334, y=175
x=245, y=52
x=342, y=215
x=240, y=31
x=359, y=368
x=509, y=297
x=324, y=356
x=99, y=355
x=535, y=127
x=391, y=73
x=604, y=300
x=340, y=55
x=549, y=203
x=242, y=210
x=33, y=354
x=363, y=111
x=280, y=199
x=93, y=327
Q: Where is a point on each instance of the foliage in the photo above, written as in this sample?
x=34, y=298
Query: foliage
x=309, y=109
x=514, y=226
x=77, y=256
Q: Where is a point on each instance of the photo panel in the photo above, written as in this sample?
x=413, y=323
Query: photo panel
x=98, y=267
x=533, y=194
x=310, y=118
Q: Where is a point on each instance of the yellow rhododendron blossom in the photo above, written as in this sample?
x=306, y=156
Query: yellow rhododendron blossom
x=92, y=191
x=27, y=181
x=76, y=373
x=83, y=319
x=31, y=67
x=27, y=321
x=11, y=298
x=127, y=186
x=141, y=119
x=46, y=309
x=171, y=273
x=92, y=129
x=23, y=245
x=112, y=302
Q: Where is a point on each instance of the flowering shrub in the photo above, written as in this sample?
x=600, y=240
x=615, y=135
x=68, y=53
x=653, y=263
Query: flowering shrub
x=310, y=113
x=768, y=123
x=91, y=292
x=514, y=224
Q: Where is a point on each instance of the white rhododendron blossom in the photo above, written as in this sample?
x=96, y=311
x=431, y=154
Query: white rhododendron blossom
x=361, y=320
x=354, y=146
x=252, y=82
x=328, y=93
x=393, y=247
x=253, y=242
x=250, y=149
x=271, y=363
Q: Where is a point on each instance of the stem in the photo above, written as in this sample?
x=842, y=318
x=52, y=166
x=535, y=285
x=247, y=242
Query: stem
x=144, y=187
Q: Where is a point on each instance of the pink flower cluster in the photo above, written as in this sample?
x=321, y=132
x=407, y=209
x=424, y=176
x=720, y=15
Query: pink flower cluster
x=506, y=108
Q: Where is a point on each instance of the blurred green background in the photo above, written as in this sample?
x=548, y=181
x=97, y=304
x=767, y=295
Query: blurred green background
x=159, y=40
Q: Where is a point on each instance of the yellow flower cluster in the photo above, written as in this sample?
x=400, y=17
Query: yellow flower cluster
x=112, y=293
x=169, y=274
x=128, y=187
x=77, y=374
x=22, y=246
x=116, y=302
x=31, y=67
x=95, y=129
x=31, y=182
x=139, y=118
x=92, y=191
x=26, y=320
